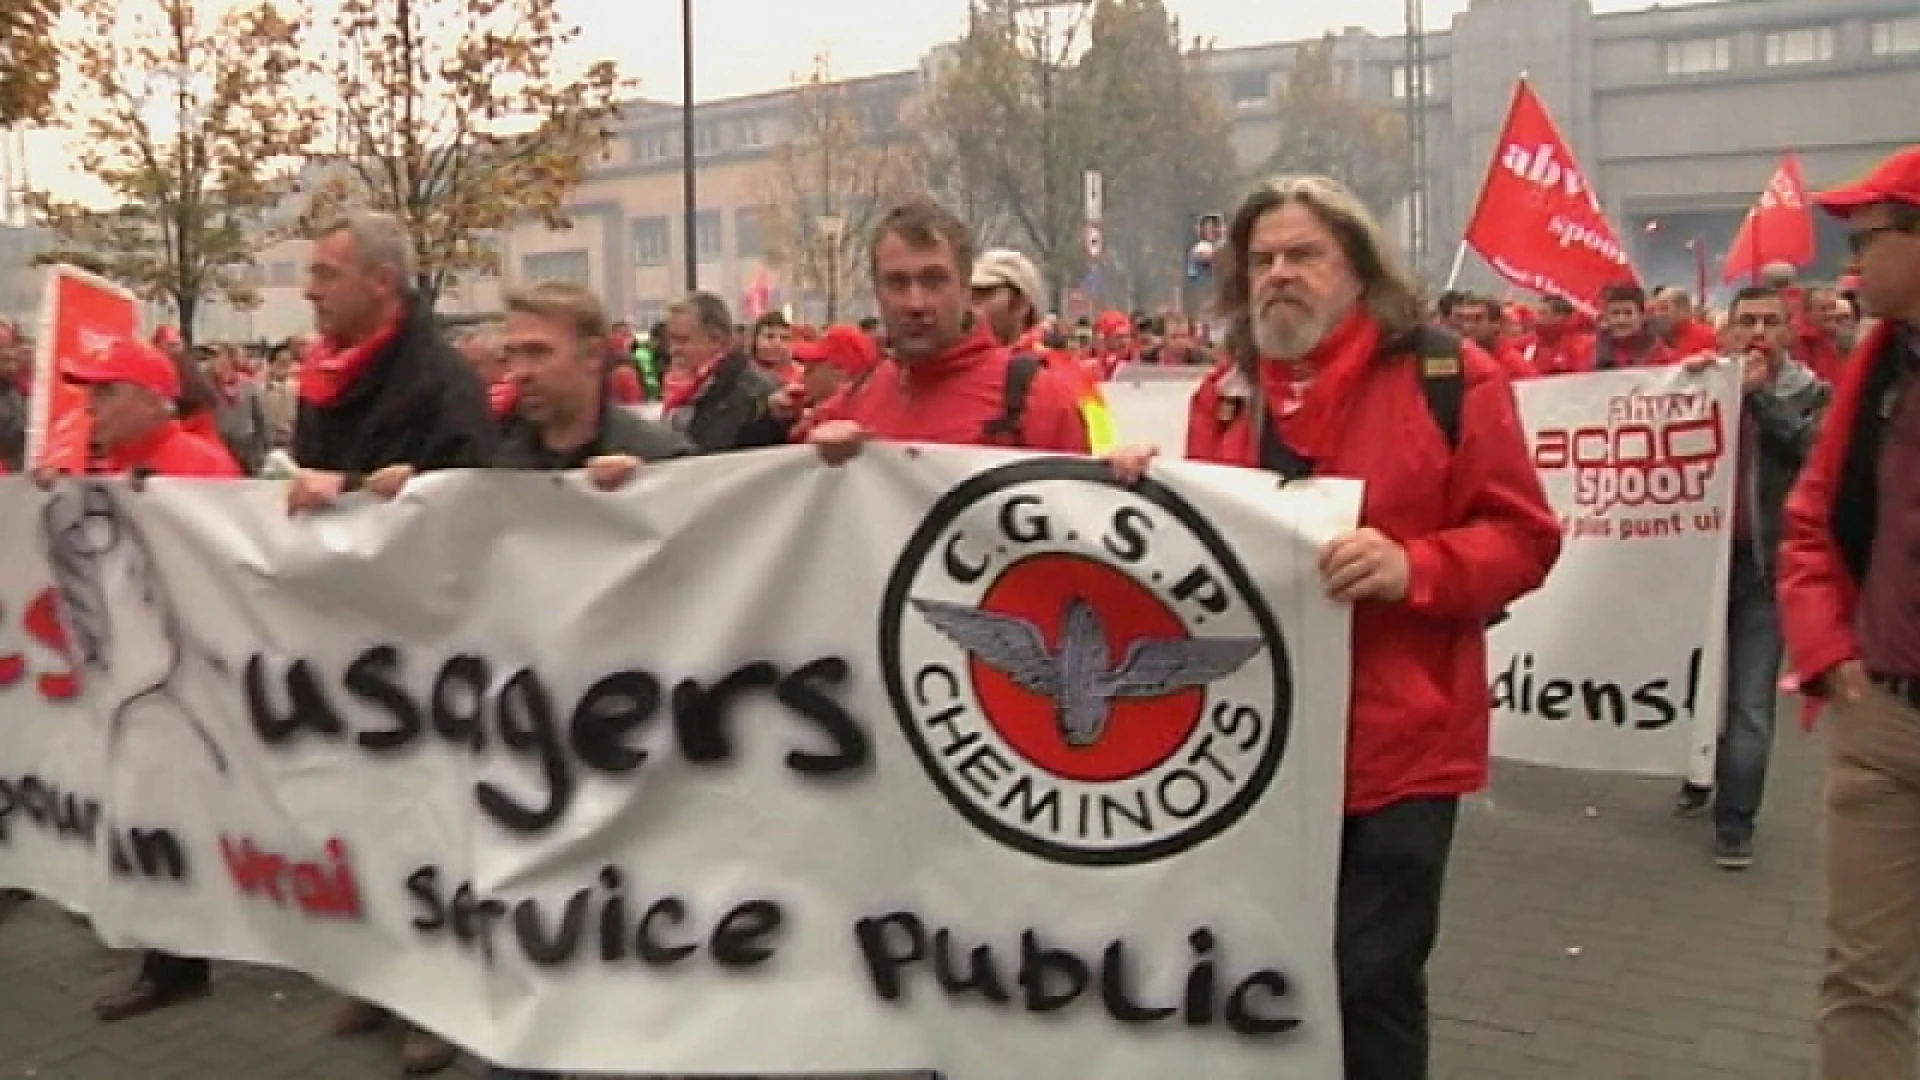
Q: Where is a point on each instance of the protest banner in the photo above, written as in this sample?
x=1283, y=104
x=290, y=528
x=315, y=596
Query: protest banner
x=953, y=759
x=1616, y=664
x=80, y=313
x=1149, y=405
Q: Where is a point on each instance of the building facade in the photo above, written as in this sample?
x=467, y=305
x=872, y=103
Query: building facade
x=1678, y=115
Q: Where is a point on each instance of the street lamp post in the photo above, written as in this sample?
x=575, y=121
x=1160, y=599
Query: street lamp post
x=830, y=226
x=689, y=182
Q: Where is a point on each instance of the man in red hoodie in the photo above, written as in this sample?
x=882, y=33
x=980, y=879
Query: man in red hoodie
x=1680, y=327
x=947, y=379
x=131, y=390
x=1327, y=342
x=1849, y=591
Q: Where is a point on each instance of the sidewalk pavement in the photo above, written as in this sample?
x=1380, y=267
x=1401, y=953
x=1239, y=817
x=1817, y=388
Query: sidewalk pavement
x=1588, y=936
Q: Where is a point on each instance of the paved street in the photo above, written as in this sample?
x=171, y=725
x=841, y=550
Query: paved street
x=1581, y=946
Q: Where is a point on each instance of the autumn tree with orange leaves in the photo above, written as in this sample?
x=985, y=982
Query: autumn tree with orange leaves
x=453, y=115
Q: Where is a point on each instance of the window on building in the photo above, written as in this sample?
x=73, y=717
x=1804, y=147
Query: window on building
x=709, y=236
x=1246, y=89
x=652, y=242
x=656, y=146
x=749, y=133
x=706, y=140
x=1402, y=88
x=1896, y=37
x=748, y=242
x=1699, y=56
x=570, y=267
x=648, y=312
x=1812, y=45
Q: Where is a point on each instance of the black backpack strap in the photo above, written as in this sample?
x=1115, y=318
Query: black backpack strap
x=1443, y=379
x=1004, y=430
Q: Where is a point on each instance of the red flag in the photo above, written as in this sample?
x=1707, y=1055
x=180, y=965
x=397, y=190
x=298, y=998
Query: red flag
x=1779, y=228
x=1538, y=222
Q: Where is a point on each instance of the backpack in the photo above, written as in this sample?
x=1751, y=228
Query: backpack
x=1443, y=382
x=1443, y=379
x=1004, y=430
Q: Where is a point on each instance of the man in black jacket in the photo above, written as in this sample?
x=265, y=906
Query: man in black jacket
x=723, y=403
x=555, y=349
x=382, y=386
x=555, y=346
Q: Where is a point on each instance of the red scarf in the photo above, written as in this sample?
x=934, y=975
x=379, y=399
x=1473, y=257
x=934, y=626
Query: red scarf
x=1312, y=418
x=329, y=370
x=679, y=397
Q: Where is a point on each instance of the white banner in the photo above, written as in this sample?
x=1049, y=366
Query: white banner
x=944, y=759
x=1149, y=405
x=1616, y=664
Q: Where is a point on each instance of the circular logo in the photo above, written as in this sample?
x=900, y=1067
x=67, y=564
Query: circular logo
x=1084, y=669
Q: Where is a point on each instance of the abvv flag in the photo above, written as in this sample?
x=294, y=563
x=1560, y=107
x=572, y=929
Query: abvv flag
x=1779, y=228
x=1538, y=222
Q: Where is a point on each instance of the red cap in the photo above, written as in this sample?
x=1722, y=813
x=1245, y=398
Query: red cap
x=845, y=348
x=126, y=361
x=1895, y=180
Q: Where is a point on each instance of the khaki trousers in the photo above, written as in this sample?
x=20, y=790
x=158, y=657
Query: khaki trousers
x=1867, y=997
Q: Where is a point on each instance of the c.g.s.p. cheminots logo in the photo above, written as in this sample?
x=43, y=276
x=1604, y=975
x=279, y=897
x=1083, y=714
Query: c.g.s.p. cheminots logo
x=1084, y=669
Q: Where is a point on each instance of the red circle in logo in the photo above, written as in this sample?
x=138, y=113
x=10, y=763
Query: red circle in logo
x=1139, y=733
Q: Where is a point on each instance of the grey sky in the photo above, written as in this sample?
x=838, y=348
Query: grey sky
x=745, y=46
x=742, y=46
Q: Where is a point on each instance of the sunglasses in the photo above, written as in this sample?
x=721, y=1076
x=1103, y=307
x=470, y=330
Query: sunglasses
x=1860, y=240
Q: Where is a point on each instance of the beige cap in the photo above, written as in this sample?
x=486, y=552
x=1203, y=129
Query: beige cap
x=1001, y=267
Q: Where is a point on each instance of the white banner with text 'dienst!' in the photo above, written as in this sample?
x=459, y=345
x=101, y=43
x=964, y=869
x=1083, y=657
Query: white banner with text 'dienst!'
x=943, y=759
x=1616, y=664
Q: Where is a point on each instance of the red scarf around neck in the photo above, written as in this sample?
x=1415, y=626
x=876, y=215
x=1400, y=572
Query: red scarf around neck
x=682, y=395
x=1312, y=417
x=329, y=370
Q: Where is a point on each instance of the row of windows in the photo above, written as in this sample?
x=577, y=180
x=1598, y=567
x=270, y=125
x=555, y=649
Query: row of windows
x=712, y=137
x=1790, y=48
x=653, y=237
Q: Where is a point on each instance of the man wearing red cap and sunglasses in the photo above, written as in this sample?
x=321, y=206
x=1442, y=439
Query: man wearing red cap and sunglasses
x=131, y=389
x=1850, y=607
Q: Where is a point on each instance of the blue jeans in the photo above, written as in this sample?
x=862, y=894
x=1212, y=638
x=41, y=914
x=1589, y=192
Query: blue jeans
x=1753, y=677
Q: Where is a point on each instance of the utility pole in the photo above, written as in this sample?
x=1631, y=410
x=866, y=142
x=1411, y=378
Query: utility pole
x=1416, y=101
x=689, y=177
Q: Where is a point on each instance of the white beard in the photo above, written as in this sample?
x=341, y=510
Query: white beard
x=1291, y=338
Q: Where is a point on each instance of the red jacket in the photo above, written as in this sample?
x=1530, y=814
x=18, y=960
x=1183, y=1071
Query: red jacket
x=1693, y=339
x=951, y=399
x=1818, y=593
x=1559, y=350
x=1512, y=362
x=1476, y=541
x=1814, y=347
x=172, y=451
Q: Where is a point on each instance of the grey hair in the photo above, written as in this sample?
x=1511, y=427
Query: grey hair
x=708, y=310
x=380, y=241
x=1388, y=291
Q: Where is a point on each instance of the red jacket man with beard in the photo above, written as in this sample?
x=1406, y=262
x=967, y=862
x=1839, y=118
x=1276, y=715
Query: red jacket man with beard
x=1325, y=353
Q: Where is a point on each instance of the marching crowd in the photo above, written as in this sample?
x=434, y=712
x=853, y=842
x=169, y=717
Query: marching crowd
x=1326, y=342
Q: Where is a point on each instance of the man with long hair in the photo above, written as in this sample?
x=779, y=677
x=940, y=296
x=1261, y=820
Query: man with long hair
x=1332, y=370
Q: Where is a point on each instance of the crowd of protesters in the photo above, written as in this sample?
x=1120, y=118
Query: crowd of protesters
x=1326, y=342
